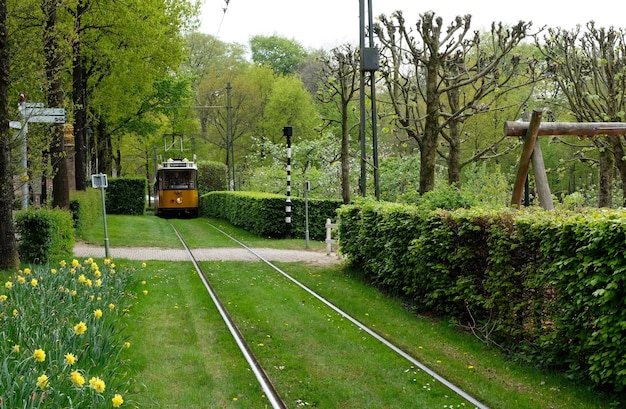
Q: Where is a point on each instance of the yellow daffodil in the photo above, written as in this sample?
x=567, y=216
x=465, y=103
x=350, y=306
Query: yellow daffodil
x=53, y=271
x=62, y=263
x=75, y=263
x=97, y=384
x=42, y=381
x=39, y=355
x=8, y=285
x=26, y=271
x=80, y=328
x=143, y=265
x=3, y=297
x=82, y=278
x=16, y=348
x=77, y=378
x=70, y=358
x=34, y=282
x=117, y=400
x=111, y=306
x=97, y=313
x=21, y=279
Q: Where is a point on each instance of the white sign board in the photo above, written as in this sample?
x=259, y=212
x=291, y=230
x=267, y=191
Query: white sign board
x=99, y=181
x=36, y=111
x=46, y=119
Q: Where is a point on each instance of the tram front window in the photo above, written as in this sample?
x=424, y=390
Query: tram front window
x=178, y=180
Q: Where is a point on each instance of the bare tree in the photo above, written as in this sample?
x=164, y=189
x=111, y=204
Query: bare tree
x=8, y=244
x=438, y=77
x=589, y=68
x=340, y=84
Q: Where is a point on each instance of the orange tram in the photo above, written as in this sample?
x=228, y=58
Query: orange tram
x=176, y=189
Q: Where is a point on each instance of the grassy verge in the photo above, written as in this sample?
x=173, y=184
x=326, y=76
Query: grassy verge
x=152, y=231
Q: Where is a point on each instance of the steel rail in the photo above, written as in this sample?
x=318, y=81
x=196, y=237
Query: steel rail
x=363, y=327
x=262, y=377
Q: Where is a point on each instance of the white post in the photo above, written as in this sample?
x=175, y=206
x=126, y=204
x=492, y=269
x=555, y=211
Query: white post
x=24, y=133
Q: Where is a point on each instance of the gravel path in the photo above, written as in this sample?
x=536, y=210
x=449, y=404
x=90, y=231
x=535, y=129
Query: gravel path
x=212, y=254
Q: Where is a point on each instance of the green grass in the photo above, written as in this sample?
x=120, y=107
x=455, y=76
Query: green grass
x=152, y=231
x=312, y=353
x=183, y=356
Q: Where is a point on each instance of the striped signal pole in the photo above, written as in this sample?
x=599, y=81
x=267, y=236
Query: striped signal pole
x=287, y=132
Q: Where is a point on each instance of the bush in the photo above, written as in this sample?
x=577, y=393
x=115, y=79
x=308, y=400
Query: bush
x=126, y=196
x=86, y=208
x=212, y=176
x=44, y=235
x=523, y=280
x=264, y=214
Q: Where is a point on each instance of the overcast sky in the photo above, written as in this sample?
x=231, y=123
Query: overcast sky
x=328, y=23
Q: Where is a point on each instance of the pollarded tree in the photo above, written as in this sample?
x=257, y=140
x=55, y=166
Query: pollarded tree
x=428, y=70
x=339, y=85
x=589, y=68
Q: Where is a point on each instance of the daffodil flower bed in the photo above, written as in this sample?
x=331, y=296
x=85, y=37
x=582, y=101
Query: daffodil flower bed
x=61, y=336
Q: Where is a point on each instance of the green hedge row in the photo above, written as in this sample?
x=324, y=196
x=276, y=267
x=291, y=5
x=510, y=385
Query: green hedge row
x=126, y=196
x=86, y=208
x=264, y=214
x=549, y=287
x=44, y=235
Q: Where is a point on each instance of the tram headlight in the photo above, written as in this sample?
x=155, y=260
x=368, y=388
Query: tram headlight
x=179, y=200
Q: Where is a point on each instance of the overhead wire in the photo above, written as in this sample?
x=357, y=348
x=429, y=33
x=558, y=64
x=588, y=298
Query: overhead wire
x=224, y=10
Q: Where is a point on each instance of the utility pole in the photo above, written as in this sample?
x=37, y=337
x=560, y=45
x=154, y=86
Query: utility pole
x=369, y=63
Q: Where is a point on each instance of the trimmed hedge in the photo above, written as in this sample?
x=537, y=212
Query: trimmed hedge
x=212, y=176
x=264, y=214
x=86, y=208
x=546, y=286
x=44, y=235
x=126, y=196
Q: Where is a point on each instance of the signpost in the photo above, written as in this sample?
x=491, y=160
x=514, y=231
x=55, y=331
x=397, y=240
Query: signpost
x=100, y=181
x=34, y=112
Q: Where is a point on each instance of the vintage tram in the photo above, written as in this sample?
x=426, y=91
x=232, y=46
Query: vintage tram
x=176, y=189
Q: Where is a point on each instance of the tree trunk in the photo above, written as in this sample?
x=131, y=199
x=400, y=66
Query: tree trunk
x=9, y=258
x=52, y=47
x=607, y=166
x=80, y=110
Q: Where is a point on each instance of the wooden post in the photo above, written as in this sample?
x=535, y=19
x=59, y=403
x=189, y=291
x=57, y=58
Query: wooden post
x=541, y=178
x=514, y=128
x=527, y=151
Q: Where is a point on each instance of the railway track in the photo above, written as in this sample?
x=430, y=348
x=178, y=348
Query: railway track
x=261, y=375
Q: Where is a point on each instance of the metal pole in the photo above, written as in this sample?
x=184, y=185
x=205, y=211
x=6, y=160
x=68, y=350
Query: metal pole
x=104, y=217
x=362, y=98
x=307, y=187
x=24, y=132
x=230, y=145
x=374, y=114
x=287, y=132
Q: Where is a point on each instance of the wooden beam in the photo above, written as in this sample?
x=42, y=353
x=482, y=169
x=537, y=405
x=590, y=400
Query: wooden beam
x=514, y=128
x=524, y=162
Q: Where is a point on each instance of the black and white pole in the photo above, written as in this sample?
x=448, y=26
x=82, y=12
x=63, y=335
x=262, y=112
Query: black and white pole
x=287, y=132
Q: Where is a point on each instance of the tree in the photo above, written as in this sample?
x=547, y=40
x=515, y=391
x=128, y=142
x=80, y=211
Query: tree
x=8, y=244
x=589, y=70
x=428, y=73
x=284, y=56
x=340, y=83
x=54, y=66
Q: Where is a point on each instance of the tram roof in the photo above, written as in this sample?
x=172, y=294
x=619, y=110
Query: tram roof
x=178, y=164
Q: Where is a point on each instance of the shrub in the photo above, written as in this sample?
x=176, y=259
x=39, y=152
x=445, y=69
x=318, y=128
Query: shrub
x=44, y=234
x=212, y=176
x=126, y=196
x=523, y=280
x=86, y=208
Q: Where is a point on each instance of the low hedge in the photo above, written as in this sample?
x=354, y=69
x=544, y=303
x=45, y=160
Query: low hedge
x=86, y=209
x=44, y=235
x=264, y=214
x=546, y=286
x=126, y=196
